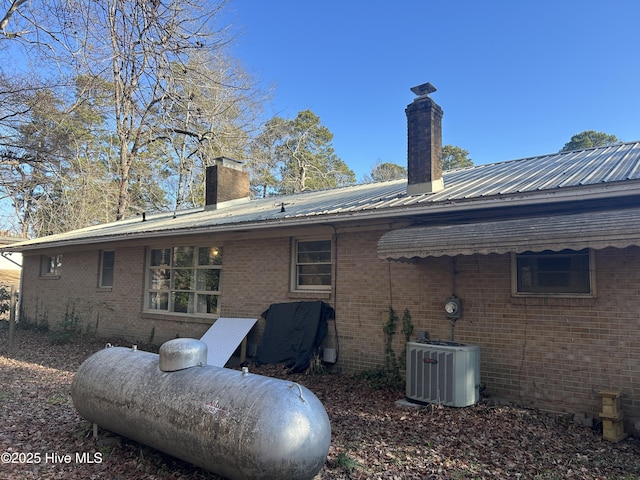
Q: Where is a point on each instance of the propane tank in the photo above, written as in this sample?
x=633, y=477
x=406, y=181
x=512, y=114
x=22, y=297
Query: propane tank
x=236, y=424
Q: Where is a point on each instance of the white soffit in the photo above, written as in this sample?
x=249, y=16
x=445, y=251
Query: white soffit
x=224, y=336
x=598, y=229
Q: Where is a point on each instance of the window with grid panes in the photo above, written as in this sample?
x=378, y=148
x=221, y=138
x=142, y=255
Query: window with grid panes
x=312, y=265
x=184, y=280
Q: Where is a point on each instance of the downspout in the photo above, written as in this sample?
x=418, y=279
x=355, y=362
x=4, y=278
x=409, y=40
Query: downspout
x=5, y=256
x=335, y=291
x=454, y=273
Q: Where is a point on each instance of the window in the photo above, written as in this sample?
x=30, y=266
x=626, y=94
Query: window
x=567, y=272
x=184, y=280
x=51, y=265
x=312, y=265
x=107, y=262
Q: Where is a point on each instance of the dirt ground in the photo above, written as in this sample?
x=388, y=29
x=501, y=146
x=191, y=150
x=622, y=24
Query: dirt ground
x=372, y=437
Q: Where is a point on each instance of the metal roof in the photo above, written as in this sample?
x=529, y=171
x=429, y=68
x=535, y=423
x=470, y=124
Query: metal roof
x=575, y=172
x=576, y=231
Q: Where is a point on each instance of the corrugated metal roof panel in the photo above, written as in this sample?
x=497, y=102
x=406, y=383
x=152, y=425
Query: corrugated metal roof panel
x=565, y=169
x=224, y=336
x=558, y=232
x=547, y=173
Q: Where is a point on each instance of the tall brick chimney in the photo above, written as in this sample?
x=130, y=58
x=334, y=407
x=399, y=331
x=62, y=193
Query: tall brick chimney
x=226, y=183
x=424, y=146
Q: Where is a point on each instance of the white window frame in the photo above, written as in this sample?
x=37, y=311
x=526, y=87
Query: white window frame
x=166, y=290
x=548, y=254
x=50, y=265
x=296, y=285
x=101, y=281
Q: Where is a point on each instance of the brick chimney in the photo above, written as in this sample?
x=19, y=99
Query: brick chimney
x=424, y=146
x=226, y=184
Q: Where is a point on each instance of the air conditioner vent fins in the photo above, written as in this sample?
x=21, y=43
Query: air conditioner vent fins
x=446, y=374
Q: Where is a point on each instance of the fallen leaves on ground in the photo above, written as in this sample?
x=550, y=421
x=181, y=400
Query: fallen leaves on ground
x=372, y=437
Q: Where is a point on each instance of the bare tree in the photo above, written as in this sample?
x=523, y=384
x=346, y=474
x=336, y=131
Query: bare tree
x=175, y=100
x=8, y=14
x=136, y=45
x=36, y=25
x=210, y=110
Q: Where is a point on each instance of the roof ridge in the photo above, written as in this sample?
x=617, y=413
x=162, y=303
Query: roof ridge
x=533, y=157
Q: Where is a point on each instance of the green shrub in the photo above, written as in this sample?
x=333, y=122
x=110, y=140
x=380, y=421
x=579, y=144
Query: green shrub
x=382, y=378
x=67, y=330
x=346, y=463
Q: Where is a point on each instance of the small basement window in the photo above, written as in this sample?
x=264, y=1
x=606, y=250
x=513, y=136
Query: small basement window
x=312, y=265
x=568, y=273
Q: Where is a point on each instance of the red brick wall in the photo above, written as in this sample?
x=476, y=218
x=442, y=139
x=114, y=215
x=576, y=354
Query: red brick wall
x=551, y=353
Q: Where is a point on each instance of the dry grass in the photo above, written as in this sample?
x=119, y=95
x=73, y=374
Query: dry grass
x=10, y=277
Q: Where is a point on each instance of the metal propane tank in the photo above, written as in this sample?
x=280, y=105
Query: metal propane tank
x=233, y=423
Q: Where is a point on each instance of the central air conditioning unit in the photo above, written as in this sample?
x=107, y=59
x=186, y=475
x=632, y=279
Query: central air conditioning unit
x=446, y=373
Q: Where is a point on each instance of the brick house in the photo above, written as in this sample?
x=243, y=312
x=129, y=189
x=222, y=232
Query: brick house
x=544, y=254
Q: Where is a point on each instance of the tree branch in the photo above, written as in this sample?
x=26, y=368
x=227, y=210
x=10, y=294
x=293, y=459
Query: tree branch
x=7, y=16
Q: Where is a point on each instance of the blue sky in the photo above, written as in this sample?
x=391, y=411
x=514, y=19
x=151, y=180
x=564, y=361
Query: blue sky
x=515, y=78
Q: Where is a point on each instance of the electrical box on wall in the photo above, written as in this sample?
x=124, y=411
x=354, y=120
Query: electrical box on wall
x=453, y=307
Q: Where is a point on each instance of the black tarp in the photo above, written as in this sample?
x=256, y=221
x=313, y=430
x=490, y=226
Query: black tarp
x=293, y=333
